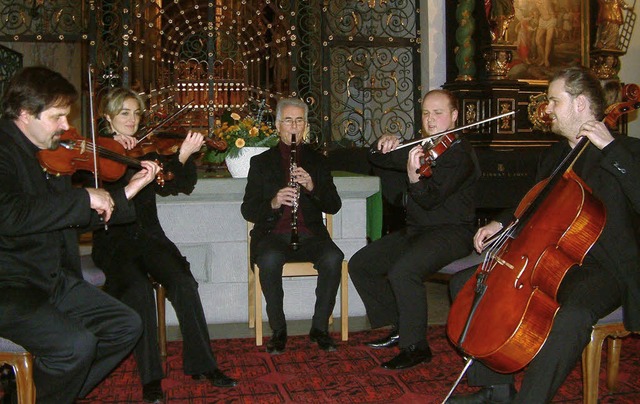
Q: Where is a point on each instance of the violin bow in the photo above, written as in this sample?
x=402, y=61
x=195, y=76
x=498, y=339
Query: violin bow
x=92, y=129
x=166, y=120
x=92, y=126
x=446, y=132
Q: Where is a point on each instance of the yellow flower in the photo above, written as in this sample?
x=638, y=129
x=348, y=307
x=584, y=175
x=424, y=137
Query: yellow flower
x=240, y=143
x=254, y=132
x=235, y=116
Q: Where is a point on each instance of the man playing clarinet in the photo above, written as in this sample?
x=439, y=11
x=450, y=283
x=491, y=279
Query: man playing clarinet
x=271, y=200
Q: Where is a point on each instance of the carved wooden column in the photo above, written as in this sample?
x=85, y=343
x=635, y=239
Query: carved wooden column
x=466, y=48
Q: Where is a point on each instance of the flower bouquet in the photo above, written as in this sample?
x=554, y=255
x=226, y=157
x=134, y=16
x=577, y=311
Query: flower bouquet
x=239, y=133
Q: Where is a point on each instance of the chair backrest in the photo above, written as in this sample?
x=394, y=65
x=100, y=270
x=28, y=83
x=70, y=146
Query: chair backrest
x=10, y=346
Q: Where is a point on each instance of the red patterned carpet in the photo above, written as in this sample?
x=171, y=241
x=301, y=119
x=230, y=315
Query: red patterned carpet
x=304, y=374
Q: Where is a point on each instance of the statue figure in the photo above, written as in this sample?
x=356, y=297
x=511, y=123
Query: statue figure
x=499, y=13
x=609, y=21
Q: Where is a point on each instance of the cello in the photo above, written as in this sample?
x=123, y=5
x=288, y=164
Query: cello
x=503, y=315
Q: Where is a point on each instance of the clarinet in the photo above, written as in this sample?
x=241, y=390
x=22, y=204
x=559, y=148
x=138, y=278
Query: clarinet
x=295, y=241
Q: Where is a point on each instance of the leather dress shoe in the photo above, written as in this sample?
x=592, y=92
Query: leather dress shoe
x=152, y=392
x=500, y=393
x=324, y=340
x=277, y=342
x=389, y=341
x=409, y=357
x=217, y=378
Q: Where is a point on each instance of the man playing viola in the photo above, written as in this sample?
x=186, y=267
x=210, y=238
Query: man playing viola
x=609, y=275
x=76, y=332
x=389, y=273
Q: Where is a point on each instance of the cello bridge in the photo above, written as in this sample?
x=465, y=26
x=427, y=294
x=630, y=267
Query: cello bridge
x=504, y=263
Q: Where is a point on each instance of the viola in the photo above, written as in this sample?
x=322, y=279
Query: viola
x=433, y=150
x=76, y=153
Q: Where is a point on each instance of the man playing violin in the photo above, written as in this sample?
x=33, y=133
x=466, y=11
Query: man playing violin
x=608, y=276
x=76, y=332
x=130, y=254
x=389, y=273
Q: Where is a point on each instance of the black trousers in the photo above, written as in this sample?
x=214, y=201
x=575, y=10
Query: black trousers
x=128, y=280
x=273, y=251
x=586, y=294
x=77, y=335
x=389, y=275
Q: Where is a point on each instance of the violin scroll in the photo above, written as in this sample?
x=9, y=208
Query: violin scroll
x=216, y=143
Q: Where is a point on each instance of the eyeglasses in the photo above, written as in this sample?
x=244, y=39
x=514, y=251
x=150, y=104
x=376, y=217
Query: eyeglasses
x=291, y=121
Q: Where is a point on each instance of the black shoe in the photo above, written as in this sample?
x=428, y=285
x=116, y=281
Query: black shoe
x=152, y=392
x=500, y=393
x=408, y=357
x=217, y=378
x=277, y=342
x=389, y=341
x=324, y=340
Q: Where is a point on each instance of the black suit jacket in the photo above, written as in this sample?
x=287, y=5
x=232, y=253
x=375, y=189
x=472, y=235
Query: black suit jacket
x=267, y=176
x=41, y=216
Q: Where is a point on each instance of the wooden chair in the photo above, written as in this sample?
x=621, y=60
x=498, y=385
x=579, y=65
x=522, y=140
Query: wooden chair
x=94, y=275
x=293, y=269
x=610, y=327
x=22, y=363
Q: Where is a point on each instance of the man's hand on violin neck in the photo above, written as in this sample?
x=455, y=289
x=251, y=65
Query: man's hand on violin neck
x=102, y=202
x=142, y=178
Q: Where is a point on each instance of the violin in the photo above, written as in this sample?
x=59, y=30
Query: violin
x=168, y=143
x=76, y=153
x=433, y=151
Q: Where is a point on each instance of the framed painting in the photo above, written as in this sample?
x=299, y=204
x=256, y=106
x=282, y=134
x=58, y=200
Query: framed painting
x=548, y=35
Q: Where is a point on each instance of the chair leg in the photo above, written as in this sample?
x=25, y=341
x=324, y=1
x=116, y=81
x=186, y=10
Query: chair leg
x=23, y=370
x=161, y=295
x=591, y=368
x=258, y=305
x=251, y=291
x=344, y=301
x=614, y=346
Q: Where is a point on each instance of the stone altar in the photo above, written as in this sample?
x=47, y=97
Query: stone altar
x=209, y=230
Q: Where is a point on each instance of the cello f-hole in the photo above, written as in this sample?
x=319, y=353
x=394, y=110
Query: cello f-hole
x=515, y=283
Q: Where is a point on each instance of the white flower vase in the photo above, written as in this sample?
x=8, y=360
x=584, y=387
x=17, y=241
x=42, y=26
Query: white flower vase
x=239, y=166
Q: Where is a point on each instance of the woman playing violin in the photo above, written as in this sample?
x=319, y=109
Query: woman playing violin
x=440, y=214
x=132, y=253
x=610, y=273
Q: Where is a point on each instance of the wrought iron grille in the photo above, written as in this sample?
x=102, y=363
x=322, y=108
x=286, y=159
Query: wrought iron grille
x=355, y=62
x=10, y=62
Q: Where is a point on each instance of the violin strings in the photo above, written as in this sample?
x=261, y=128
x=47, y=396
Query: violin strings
x=114, y=155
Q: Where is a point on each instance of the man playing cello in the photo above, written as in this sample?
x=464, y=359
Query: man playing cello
x=609, y=275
